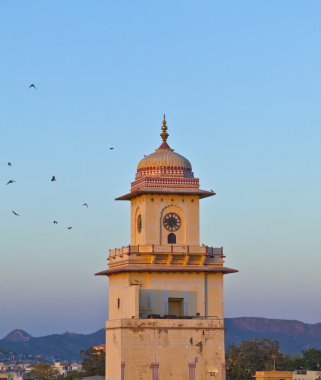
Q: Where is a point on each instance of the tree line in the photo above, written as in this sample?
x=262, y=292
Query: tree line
x=93, y=364
x=241, y=361
x=264, y=355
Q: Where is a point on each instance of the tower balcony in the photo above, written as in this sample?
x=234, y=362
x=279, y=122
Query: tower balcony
x=166, y=255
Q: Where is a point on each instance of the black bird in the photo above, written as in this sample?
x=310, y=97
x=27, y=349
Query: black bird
x=111, y=148
x=11, y=181
x=55, y=222
x=212, y=191
x=33, y=86
x=15, y=213
x=9, y=163
x=69, y=228
x=53, y=178
x=85, y=204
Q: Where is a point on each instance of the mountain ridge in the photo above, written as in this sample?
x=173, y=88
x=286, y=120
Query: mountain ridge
x=294, y=337
x=65, y=346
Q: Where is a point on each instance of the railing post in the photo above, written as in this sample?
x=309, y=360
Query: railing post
x=191, y=367
x=122, y=370
x=155, y=367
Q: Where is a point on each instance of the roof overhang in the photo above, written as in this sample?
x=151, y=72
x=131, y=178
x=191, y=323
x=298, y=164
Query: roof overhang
x=159, y=268
x=199, y=192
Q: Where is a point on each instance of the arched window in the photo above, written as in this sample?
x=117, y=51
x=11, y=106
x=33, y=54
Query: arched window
x=171, y=239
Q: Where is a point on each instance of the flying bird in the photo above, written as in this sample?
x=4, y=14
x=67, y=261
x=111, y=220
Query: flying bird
x=55, y=222
x=11, y=181
x=9, y=163
x=15, y=213
x=69, y=228
x=111, y=148
x=53, y=178
x=33, y=86
x=85, y=204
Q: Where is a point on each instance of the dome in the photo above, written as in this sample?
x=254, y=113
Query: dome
x=165, y=172
x=164, y=162
x=164, y=158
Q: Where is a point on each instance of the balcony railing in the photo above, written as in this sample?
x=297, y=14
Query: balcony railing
x=166, y=255
x=169, y=249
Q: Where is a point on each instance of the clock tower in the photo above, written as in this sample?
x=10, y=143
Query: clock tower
x=165, y=289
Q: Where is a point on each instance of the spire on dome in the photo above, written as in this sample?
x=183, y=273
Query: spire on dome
x=164, y=136
x=164, y=133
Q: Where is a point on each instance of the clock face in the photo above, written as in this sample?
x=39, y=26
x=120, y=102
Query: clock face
x=139, y=223
x=172, y=221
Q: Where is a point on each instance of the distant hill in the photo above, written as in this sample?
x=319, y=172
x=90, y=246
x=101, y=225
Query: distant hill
x=17, y=336
x=65, y=346
x=293, y=336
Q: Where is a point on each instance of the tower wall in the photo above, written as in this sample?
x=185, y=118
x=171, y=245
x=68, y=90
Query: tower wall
x=153, y=207
x=202, y=294
x=173, y=347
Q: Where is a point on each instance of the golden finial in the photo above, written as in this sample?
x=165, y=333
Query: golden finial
x=164, y=133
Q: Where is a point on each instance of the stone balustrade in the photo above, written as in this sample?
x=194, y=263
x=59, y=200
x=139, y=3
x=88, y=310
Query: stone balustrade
x=166, y=255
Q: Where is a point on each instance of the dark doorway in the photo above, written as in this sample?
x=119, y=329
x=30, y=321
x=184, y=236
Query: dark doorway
x=176, y=306
x=171, y=239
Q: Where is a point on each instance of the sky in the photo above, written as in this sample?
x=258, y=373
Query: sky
x=240, y=83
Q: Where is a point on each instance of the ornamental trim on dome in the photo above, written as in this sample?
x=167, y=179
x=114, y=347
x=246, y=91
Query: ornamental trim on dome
x=170, y=183
x=164, y=171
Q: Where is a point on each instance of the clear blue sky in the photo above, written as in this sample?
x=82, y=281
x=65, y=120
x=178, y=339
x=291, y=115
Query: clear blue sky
x=240, y=82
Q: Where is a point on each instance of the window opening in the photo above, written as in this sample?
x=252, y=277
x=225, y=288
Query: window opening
x=176, y=306
x=171, y=238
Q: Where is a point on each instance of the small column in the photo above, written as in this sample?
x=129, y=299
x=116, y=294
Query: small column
x=155, y=367
x=122, y=370
x=191, y=367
